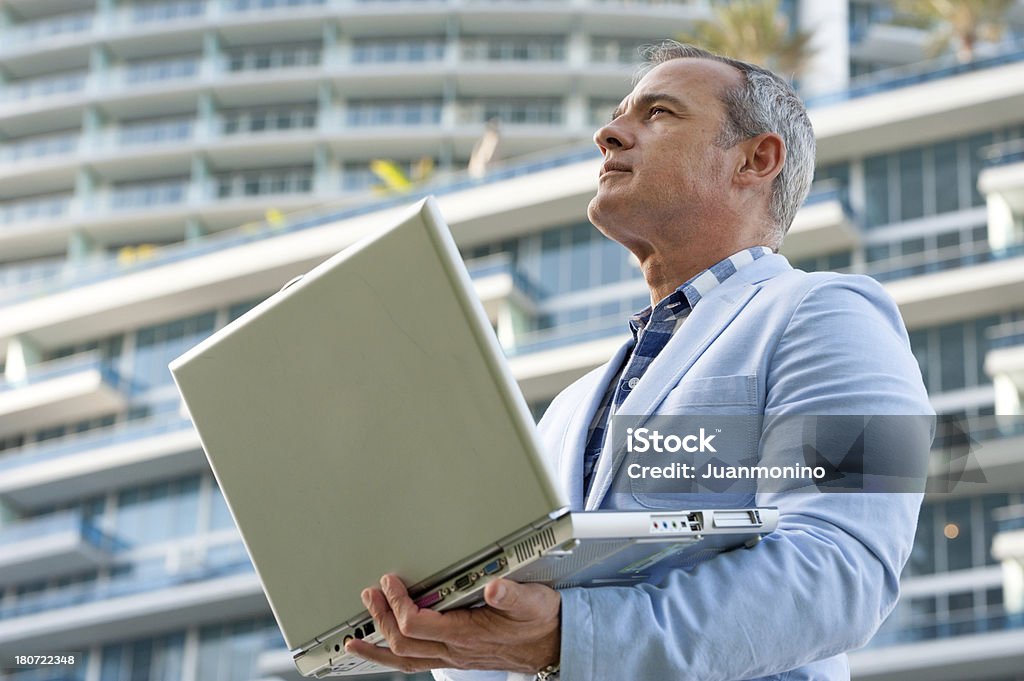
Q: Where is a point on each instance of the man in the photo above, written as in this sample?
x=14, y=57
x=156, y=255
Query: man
x=706, y=163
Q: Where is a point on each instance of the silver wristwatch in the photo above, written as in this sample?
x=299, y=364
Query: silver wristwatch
x=549, y=673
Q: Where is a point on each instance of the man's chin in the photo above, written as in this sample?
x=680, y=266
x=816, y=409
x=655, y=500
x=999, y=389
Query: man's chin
x=602, y=210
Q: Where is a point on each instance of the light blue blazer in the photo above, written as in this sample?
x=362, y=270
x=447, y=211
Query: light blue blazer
x=769, y=340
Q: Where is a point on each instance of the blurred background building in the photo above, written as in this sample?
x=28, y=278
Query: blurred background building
x=165, y=165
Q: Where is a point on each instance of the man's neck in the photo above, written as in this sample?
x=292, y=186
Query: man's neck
x=664, y=274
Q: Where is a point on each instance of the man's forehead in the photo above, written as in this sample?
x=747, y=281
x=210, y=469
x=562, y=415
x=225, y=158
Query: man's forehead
x=697, y=81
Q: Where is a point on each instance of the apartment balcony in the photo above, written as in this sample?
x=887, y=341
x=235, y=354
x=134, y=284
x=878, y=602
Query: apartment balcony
x=1008, y=543
x=996, y=652
x=1002, y=183
x=823, y=225
x=258, y=258
x=63, y=391
x=1006, y=354
x=948, y=284
x=889, y=43
x=543, y=362
x=93, y=462
x=50, y=546
x=978, y=455
x=222, y=587
x=937, y=99
x=498, y=284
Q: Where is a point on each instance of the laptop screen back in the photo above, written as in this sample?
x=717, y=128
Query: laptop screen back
x=362, y=421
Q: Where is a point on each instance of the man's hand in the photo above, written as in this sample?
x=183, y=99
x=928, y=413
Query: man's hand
x=517, y=631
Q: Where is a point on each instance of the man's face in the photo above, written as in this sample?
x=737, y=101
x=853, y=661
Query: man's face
x=662, y=168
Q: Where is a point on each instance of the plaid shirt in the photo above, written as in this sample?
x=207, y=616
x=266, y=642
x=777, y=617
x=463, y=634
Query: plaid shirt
x=652, y=328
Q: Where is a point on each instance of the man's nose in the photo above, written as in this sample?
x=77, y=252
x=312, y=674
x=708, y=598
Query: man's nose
x=613, y=135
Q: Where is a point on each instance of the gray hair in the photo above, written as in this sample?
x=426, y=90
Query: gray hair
x=764, y=103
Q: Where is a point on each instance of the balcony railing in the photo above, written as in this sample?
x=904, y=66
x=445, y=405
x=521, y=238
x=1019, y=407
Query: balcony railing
x=80, y=594
x=958, y=623
x=46, y=86
x=1005, y=335
x=39, y=147
x=952, y=434
x=569, y=334
x=65, y=367
x=131, y=431
x=1004, y=153
x=58, y=523
x=915, y=74
x=145, y=195
x=149, y=13
x=501, y=264
x=940, y=260
x=257, y=5
x=1009, y=518
x=31, y=210
x=48, y=29
x=111, y=268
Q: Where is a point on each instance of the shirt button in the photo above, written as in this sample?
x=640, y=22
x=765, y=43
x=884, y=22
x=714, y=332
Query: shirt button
x=632, y=382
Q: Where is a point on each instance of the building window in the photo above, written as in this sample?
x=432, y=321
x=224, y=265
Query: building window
x=397, y=50
x=229, y=652
x=393, y=112
x=152, y=659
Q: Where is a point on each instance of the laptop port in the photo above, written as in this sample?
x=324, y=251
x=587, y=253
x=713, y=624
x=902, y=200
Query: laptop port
x=492, y=567
x=429, y=599
x=358, y=633
x=368, y=628
x=463, y=582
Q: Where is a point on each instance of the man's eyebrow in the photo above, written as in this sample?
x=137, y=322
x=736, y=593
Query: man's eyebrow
x=644, y=101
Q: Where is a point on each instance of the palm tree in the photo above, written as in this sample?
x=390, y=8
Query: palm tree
x=961, y=22
x=754, y=31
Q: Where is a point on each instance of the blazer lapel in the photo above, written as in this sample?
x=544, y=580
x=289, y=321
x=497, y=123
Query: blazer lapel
x=574, y=442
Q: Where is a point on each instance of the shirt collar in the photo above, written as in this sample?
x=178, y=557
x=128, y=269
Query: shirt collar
x=679, y=303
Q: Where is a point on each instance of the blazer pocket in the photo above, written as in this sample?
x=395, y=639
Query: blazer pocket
x=725, y=407
x=738, y=393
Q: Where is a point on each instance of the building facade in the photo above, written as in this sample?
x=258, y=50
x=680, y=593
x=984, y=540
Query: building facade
x=164, y=166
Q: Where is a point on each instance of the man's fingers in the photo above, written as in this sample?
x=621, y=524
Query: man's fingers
x=388, y=626
x=412, y=620
x=388, y=658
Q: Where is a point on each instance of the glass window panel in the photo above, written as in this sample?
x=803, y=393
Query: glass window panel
x=911, y=184
x=951, y=353
x=947, y=177
x=922, y=556
x=613, y=258
x=912, y=246
x=989, y=503
x=110, y=666
x=975, y=145
x=579, y=257
x=220, y=517
x=876, y=186
x=956, y=534
x=877, y=252
x=550, y=255
x=948, y=240
x=838, y=261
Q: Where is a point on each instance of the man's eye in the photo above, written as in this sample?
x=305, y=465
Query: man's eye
x=657, y=110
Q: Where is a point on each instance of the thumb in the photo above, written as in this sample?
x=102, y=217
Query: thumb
x=502, y=594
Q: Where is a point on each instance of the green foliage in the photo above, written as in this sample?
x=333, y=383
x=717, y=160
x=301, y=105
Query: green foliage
x=961, y=23
x=754, y=31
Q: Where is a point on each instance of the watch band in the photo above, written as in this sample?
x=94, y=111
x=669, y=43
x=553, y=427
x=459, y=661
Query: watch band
x=549, y=673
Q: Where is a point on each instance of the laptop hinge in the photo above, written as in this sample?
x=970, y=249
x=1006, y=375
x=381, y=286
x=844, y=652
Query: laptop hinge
x=538, y=524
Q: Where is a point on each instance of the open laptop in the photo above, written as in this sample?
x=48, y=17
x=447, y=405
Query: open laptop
x=363, y=421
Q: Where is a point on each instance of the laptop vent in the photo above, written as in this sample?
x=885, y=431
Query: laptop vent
x=538, y=543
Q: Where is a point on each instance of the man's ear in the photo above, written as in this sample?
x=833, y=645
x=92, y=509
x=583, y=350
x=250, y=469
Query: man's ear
x=763, y=157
